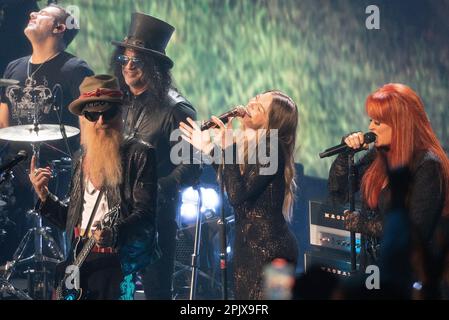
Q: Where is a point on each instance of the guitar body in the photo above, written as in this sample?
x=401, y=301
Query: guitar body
x=66, y=289
x=62, y=292
x=70, y=294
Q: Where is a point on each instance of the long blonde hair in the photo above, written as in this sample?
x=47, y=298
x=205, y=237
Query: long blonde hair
x=283, y=116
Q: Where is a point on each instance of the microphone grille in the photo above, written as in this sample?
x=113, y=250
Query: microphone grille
x=240, y=111
x=369, y=137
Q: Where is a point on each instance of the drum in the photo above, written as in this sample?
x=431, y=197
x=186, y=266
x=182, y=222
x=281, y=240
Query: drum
x=61, y=169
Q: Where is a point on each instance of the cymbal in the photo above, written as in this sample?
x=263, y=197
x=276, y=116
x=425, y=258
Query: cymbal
x=44, y=132
x=8, y=82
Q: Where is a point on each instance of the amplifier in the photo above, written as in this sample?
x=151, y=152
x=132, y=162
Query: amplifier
x=339, y=265
x=327, y=228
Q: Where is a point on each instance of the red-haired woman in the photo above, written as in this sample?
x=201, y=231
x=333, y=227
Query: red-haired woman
x=405, y=139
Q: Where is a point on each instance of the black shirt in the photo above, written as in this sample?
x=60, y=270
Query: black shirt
x=65, y=70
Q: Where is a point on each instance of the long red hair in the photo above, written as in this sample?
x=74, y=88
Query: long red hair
x=398, y=106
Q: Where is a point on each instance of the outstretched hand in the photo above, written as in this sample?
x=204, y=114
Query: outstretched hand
x=192, y=133
x=39, y=179
x=222, y=136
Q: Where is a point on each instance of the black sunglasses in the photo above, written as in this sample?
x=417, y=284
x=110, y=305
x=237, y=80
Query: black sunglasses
x=108, y=115
x=124, y=60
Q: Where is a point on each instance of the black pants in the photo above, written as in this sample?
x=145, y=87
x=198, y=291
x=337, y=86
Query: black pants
x=157, y=277
x=101, y=276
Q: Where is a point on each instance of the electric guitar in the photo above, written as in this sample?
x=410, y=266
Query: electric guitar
x=80, y=253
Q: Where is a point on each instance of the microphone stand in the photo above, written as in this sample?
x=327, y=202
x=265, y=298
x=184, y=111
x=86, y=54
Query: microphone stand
x=61, y=124
x=196, y=247
x=222, y=227
x=351, y=198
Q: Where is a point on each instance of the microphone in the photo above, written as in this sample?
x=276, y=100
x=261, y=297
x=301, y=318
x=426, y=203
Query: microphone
x=238, y=111
x=21, y=155
x=57, y=98
x=369, y=137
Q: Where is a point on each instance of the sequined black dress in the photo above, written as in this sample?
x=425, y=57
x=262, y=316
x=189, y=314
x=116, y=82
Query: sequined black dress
x=261, y=232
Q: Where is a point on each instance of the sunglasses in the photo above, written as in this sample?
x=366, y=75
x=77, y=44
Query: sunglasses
x=107, y=115
x=124, y=60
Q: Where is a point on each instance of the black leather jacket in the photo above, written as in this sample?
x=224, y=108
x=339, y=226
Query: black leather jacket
x=424, y=201
x=137, y=196
x=153, y=122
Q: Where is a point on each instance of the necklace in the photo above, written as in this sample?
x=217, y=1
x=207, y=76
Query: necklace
x=30, y=76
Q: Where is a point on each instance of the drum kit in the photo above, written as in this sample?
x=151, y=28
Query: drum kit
x=39, y=238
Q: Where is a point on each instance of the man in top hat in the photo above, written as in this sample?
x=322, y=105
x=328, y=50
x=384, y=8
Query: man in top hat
x=154, y=111
x=107, y=171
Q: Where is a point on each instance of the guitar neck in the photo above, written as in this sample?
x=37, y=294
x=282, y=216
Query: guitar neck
x=84, y=252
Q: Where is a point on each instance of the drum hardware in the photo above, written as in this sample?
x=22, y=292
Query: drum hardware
x=6, y=176
x=8, y=288
x=38, y=280
x=60, y=167
x=35, y=133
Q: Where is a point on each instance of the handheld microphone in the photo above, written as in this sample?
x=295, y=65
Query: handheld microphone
x=21, y=155
x=369, y=137
x=238, y=111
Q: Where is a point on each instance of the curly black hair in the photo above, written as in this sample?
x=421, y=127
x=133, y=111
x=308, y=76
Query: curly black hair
x=156, y=73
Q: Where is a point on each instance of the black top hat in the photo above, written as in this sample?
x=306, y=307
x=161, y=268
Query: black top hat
x=148, y=34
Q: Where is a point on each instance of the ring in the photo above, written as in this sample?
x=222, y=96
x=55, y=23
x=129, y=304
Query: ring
x=36, y=172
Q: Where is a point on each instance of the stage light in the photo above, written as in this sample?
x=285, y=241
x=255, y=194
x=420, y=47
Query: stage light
x=190, y=201
x=210, y=199
x=189, y=211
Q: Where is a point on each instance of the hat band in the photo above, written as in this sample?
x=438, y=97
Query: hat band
x=102, y=92
x=139, y=43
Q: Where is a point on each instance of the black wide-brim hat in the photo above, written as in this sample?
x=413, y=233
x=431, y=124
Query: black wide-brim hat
x=149, y=35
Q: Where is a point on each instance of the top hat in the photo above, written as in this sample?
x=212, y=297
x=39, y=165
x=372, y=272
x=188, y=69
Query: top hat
x=149, y=35
x=97, y=88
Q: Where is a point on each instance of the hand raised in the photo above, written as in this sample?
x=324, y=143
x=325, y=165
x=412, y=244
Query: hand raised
x=39, y=179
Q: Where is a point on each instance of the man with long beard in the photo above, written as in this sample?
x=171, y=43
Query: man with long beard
x=108, y=171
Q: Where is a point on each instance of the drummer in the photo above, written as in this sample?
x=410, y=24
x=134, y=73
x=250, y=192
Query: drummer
x=49, y=76
x=49, y=31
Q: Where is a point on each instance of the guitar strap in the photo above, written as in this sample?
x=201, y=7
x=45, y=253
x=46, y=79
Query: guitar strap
x=92, y=215
x=138, y=122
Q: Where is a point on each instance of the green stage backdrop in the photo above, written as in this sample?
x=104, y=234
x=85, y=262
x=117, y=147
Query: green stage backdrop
x=318, y=51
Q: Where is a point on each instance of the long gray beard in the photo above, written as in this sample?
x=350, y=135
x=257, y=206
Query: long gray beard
x=104, y=163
